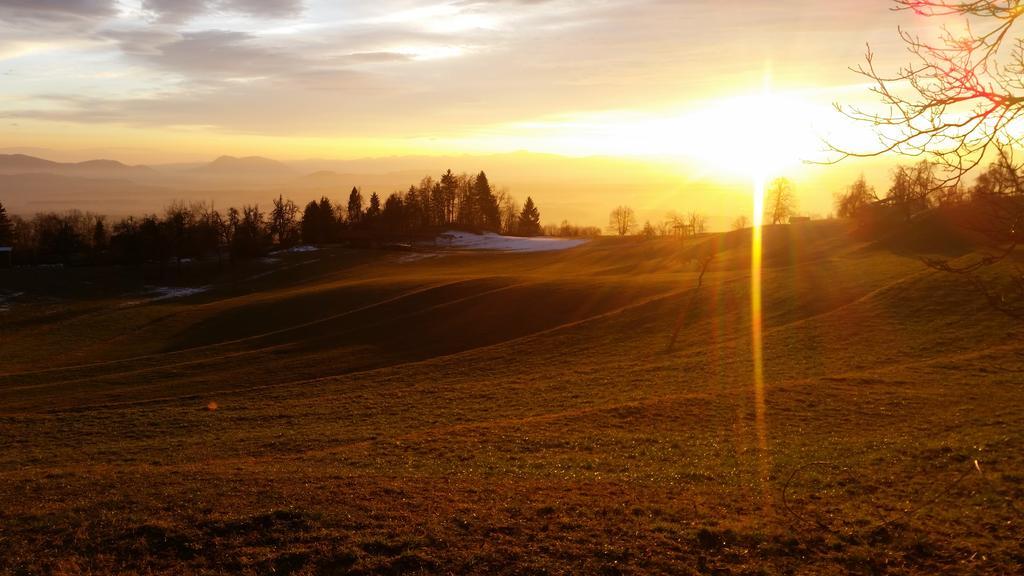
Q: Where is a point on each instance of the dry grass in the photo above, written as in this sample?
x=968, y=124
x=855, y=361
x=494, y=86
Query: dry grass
x=518, y=414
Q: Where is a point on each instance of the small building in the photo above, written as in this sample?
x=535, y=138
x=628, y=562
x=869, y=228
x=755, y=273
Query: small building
x=684, y=230
x=799, y=219
x=6, y=256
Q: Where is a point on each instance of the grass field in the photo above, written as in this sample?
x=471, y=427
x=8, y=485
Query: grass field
x=361, y=412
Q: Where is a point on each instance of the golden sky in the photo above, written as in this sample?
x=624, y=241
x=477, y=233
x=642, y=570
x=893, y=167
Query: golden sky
x=293, y=78
x=715, y=86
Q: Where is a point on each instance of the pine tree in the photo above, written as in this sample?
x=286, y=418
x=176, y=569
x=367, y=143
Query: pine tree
x=6, y=227
x=529, y=219
x=488, y=213
x=449, y=196
x=327, y=224
x=374, y=210
x=355, y=206
x=311, y=223
x=99, y=235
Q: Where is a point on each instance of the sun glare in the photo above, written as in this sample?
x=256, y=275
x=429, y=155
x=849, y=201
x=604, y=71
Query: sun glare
x=755, y=134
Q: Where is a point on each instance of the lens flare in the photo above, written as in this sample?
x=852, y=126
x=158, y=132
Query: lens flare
x=756, y=337
x=756, y=318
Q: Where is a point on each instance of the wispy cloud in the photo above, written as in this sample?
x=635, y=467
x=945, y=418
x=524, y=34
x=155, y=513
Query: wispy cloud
x=179, y=11
x=403, y=68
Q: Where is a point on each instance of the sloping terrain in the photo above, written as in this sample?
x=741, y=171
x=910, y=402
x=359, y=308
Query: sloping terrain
x=519, y=413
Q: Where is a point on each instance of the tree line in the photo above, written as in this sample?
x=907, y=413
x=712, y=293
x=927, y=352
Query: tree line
x=918, y=188
x=198, y=230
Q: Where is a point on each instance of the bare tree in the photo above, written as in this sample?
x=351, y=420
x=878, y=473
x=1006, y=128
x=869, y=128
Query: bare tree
x=963, y=89
x=697, y=222
x=704, y=261
x=911, y=189
x=740, y=222
x=856, y=199
x=622, y=220
x=956, y=103
x=780, y=201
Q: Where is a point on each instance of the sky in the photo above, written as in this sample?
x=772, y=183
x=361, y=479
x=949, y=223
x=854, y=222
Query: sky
x=710, y=92
x=179, y=79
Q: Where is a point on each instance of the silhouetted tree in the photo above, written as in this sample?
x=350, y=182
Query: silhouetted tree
x=233, y=220
x=251, y=238
x=310, y=223
x=697, y=222
x=99, y=235
x=355, y=206
x=509, y=212
x=59, y=236
x=622, y=220
x=529, y=219
x=648, y=231
x=6, y=227
x=282, y=221
x=740, y=222
x=780, y=201
x=487, y=204
x=567, y=230
x=449, y=197
x=856, y=199
x=328, y=220
x=393, y=215
x=958, y=101
x=910, y=189
x=193, y=230
x=374, y=210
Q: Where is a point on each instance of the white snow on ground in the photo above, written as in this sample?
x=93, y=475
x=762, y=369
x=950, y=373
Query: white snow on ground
x=5, y=299
x=296, y=250
x=168, y=292
x=491, y=241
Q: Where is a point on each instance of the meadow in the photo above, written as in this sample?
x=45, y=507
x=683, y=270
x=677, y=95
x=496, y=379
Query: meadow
x=354, y=411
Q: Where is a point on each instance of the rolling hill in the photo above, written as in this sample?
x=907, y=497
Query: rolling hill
x=111, y=169
x=348, y=411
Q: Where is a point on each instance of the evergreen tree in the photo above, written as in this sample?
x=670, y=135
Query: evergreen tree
x=327, y=223
x=6, y=227
x=529, y=219
x=487, y=211
x=311, y=223
x=374, y=210
x=99, y=235
x=449, y=196
x=393, y=215
x=355, y=206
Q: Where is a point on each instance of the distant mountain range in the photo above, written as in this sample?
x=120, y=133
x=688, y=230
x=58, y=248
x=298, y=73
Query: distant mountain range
x=23, y=164
x=581, y=190
x=250, y=166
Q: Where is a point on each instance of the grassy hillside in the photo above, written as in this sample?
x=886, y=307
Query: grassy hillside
x=369, y=412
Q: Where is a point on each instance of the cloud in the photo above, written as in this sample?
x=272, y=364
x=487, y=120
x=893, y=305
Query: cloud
x=179, y=11
x=202, y=55
x=56, y=10
x=388, y=69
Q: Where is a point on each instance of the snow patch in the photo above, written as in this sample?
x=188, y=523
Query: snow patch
x=491, y=241
x=305, y=248
x=5, y=299
x=158, y=293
